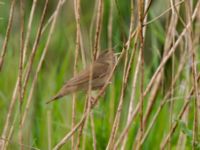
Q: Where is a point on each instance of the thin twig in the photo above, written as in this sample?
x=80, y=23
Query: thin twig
x=168, y=55
x=167, y=10
x=187, y=101
x=98, y=28
x=49, y=135
x=77, y=16
x=41, y=61
x=22, y=14
x=34, y=49
x=29, y=30
x=9, y=26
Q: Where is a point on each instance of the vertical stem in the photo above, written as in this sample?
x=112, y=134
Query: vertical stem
x=98, y=28
x=5, y=43
x=140, y=13
x=77, y=16
x=22, y=14
x=49, y=129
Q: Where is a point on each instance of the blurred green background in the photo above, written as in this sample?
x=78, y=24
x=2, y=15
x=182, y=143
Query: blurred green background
x=58, y=67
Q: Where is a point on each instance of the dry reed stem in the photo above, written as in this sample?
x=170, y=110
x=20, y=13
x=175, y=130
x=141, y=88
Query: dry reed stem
x=29, y=29
x=77, y=17
x=133, y=87
x=144, y=18
x=141, y=39
x=9, y=115
x=188, y=7
x=110, y=24
x=95, y=51
x=22, y=15
x=51, y=18
x=41, y=61
x=86, y=109
x=92, y=24
x=168, y=42
x=89, y=102
x=94, y=144
x=180, y=68
x=110, y=43
x=9, y=26
x=131, y=104
x=25, y=146
x=173, y=48
x=98, y=28
x=13, y=100
x=167, y=10
x=10, y=133
x=187, y=101
x=82, y=125
x=14, y=96
x=126, y=73
x=31, y=59
x=49, y=135
x=126, y=128
x=171, y=51
x=76, y=127
x=120, y=105
x=34, y=49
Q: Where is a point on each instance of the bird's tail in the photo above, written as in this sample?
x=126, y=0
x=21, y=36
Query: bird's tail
x=56, y=97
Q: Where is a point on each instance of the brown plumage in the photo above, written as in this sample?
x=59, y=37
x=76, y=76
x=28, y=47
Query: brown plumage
x=101, y=69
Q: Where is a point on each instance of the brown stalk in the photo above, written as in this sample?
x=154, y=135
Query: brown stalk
x=25, y=146
x=82, y=125
x=92, y=24
x=22, y=14
x=173, y=48
x=29, y=30
x=95, y=50
x=119, y=109
x=191, y=48
x=9, y=26
x=166, y=11
x=26, y=80
x=87, y=108
x=77, y=17
x=41, y=62
x=134, y=82
x=34, y=49
x=94, y=144
x=180, y=68
x=168, y=55
x=187, y=101
x=14, y=96
x=49, y=120
x=50, y=19
x=141, y=109
x=110, y=43
x=171, y=103
x=126, y=73
x=98, y=28
x=168, y=42
x=147, y=6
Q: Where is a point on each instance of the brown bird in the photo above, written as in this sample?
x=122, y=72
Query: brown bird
x=101, y=69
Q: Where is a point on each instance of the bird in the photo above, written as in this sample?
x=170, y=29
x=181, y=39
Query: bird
x=101, y=69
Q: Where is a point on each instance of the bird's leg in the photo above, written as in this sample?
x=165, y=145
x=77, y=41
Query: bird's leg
x=92, y=100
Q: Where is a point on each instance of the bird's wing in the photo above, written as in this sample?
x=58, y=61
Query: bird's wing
x=98, y=69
